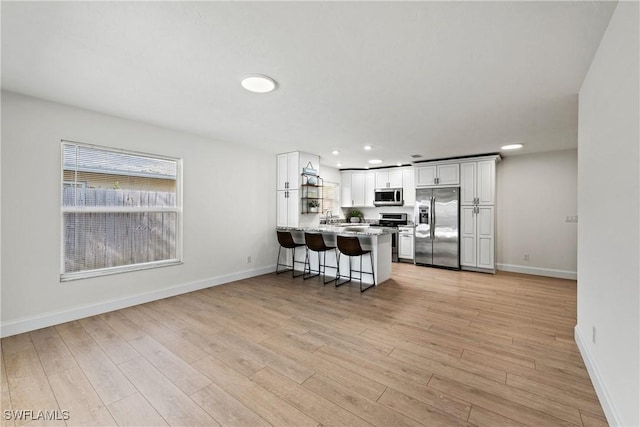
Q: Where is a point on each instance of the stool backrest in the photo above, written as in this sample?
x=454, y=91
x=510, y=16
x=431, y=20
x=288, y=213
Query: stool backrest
x=315, y=242
x=286, y=239
x=349, y=245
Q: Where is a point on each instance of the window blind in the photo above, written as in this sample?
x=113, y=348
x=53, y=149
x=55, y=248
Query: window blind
x=120, y=210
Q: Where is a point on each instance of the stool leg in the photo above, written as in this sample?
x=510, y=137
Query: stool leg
x=338, y=283
x=293, y=265
x=278, y=260
x=372, y=273
x=325, y=281
x=308, y=275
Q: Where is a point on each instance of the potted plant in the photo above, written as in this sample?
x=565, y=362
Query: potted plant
x=314, y=205
x=355, y=215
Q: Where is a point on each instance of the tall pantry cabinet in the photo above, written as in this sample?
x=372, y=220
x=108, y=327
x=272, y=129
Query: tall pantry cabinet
x=289, y=181
x=477, y=213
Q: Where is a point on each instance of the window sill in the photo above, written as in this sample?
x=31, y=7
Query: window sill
x=87, y=274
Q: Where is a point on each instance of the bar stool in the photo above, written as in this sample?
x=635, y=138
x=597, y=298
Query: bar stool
x=286, y=241
x=350, y=246
x=315, y=242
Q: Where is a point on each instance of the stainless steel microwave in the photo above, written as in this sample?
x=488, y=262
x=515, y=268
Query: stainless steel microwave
x=388, y=197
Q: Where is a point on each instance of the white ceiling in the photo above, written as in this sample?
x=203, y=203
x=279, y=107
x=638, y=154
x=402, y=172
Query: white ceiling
x=438, y=79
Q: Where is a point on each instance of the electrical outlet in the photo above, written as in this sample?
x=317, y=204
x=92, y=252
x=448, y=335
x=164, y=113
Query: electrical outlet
x=571, y=219
x=593, y=334
x=525, y=257
x=249, y=259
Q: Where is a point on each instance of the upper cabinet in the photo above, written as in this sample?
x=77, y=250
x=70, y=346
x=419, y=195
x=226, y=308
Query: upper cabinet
x=345, y=189
x=409, y=186
x=438, y=175
x=289, y=171
x=357, y=188
x=478, y=182
x=358, y=192
x=391, y=178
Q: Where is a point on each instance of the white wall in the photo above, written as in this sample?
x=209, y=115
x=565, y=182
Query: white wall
x=609, y=210
x=536, y=192
x=229, y=213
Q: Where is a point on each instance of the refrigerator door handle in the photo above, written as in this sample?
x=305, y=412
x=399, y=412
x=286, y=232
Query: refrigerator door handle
x=433, y=217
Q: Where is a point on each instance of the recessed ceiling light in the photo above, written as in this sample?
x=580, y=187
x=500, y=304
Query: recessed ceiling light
x=399, y=164
x=511, y=146
x=335, y=152
x=375, y=161
x=368, y=147
x=258, y=83
x=339, y=164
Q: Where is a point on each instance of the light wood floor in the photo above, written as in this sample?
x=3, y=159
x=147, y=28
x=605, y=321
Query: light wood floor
x=429, y=347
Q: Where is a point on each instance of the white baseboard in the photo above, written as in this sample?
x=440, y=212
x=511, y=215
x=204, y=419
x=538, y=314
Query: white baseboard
x=49, y=319
x=598, y=384
x=537, y=271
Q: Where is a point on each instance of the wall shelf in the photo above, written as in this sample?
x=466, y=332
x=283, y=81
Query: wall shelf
x=311, y=194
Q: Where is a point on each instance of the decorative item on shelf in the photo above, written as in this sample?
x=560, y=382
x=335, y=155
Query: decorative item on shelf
x=314, y=205
x=355, y=215
x=309, y=170
x=311, y=174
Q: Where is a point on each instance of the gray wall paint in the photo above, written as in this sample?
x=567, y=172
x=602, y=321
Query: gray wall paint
x=609, y=210
x=229, y=207
x=536, y=192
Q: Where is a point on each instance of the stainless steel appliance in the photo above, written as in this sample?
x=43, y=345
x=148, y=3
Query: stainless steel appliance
x=388, y=197
x=391, y=221
x=437, y=233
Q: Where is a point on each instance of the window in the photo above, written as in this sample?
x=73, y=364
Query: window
x=329, y=202
x=121, y=211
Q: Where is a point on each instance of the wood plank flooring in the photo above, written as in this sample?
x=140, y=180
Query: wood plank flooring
x=428, y=348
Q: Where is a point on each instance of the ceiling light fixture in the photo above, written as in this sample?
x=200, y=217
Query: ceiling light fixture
x=375, y=161
x=335, y=152
x=511, y=146
x=399, y=164
x=368, y=147
x=339, y=164
x=258, y=83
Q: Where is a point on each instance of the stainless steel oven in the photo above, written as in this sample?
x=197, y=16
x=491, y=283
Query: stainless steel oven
x=391, y=221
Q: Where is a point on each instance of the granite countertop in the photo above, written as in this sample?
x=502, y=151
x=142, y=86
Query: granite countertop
x=361, y=230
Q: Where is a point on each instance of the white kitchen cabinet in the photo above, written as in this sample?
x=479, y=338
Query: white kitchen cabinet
x=346, y=201
x=357, y=189
x=409, y=186
x=477, y=237
x=289, y=180
x=438, y=174
x=289, y=170
x=391, y=178
x=477, y=213
x=405, y=243
x=369, y=189
x=288, y=208
x=478, y=183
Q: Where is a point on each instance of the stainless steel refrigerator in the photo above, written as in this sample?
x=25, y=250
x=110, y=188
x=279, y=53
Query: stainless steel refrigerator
x=437, y=219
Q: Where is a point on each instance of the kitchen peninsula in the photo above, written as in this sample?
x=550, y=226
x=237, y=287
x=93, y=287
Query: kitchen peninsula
x=375, y=239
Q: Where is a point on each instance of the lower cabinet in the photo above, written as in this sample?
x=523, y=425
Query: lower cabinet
x=288, y=208
x=405, y=244
x=477, y=237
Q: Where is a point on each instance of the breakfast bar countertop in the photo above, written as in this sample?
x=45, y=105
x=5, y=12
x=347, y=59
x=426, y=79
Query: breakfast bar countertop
x=376, y=239
x=358, y=230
